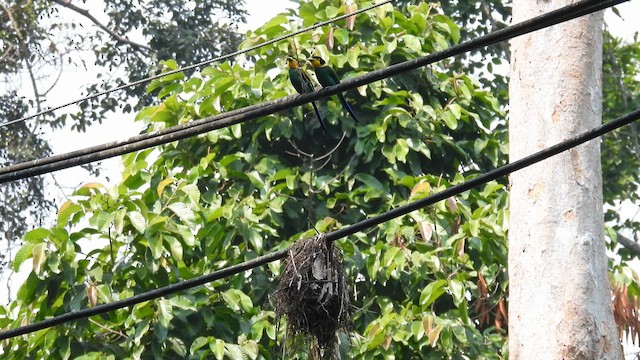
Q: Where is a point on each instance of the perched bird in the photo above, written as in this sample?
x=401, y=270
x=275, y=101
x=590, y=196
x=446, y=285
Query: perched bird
x=302, y=83
x=328, y=77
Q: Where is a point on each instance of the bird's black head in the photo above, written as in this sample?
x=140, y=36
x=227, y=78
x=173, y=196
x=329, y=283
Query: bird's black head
x=317, y=61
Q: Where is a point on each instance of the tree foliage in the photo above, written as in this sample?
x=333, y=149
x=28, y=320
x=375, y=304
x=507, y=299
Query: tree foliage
x=429, y=283
x=17, y=198
x=621, y=149
x=40, y=39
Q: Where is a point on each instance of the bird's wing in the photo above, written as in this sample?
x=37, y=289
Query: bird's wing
x=333, y=74
x=297, y=80
x=308, y=85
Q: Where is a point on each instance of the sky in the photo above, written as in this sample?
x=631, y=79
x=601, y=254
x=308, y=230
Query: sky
x=121, y=126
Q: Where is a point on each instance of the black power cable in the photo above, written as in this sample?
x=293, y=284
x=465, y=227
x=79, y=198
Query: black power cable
x=190, y=67
x=140, y=142
x=334, y=235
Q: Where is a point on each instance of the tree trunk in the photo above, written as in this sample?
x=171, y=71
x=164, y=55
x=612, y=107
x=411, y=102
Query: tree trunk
x=559, y=293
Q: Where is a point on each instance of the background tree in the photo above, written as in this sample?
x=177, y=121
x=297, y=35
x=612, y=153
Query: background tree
x=621, y=150
x=37, y=38
x=232, y=194
x=432, y=284
x=17, y=198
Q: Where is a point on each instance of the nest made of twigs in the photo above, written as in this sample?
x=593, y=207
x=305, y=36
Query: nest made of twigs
x=313, y=295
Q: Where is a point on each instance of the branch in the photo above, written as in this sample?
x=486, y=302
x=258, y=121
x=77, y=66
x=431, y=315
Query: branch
x=60, y=72
x=628, y=243
x=85, y=13
x=9, y=48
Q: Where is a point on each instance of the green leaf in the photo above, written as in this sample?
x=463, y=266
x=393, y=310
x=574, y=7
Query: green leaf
x=165, y=312
x=432, y=292
x=417, y=329
x=342, y=37
x=217, y=347
x=36, y=235
x=118, y=220
x=102, y=220
x=256, y=84
x=457, y=291
x=332, y=11
x=183, y=303
x=479, y=145
x=276, y=20
x=390, y=46
x=198, y=343
x=183, y=211
x=137, y=220
x=371, y=182
x=450, y=119
x=474, y=226
x=175, y=247
x=141, y=329
x=192, y=191
x=412, y=42
x=250, y=349
x=250, y=234
x=186, y=234
x=456, y=110
x=156, y=245
x=234, y=351
x=25, y=252
x=94, y=355
x=237, y=300
x=178, y=346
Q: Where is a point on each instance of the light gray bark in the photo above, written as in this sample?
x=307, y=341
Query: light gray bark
x=559, y=292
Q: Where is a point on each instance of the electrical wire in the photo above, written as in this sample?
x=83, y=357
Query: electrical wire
x=334, y=235
x=190, y=67
x=349, y=230
x=179, y=132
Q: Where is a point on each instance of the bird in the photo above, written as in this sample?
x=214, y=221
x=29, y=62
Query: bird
x=302, y=83
x=328, y=77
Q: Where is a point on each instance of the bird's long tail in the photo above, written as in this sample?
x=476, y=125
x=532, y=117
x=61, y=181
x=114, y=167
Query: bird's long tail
x=315, y=108
x=346, y=105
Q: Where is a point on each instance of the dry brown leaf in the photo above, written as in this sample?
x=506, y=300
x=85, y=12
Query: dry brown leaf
x=460, y=249
x=351, y=20
x=92, y=295
x=452, y=204
x=329, y=41
x=426, y=231
x=387, y=342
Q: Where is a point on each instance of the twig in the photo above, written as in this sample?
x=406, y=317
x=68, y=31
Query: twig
x=87, y=14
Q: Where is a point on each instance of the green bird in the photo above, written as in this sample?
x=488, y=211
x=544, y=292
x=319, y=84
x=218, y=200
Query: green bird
x=302, y=83
x=328, y=77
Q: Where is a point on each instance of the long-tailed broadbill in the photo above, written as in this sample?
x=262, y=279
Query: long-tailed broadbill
x=302, y=83
x=327, y=77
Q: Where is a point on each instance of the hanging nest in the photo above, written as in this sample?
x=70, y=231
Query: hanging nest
x=313, y=295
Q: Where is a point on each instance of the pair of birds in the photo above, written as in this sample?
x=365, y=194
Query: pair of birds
x=326, y=77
